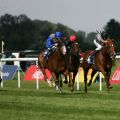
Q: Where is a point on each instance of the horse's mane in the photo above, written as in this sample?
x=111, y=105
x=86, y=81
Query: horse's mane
x=75, y=48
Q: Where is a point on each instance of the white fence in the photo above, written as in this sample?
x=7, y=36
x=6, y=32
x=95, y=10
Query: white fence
x=118, y=56
x=20, y=59
x=37, y=81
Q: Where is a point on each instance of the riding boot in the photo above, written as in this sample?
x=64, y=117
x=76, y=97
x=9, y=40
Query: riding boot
x=93, y=56
x=49, y=52
x=95, y=52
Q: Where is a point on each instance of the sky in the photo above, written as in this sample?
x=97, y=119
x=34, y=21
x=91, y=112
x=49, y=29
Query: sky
x=85, y=15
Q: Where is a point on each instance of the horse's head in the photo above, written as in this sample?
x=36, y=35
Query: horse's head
x=75, y=48
x=62, y=47
x=111, y=47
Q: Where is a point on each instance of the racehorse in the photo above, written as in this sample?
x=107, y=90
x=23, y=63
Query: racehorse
x=56, y=63
x=73, y=62
x=103, y=60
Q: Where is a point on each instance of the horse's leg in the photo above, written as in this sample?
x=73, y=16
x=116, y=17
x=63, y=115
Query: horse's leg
x=73, y=81
x=66, y=80
x=93, y=73
x=0, y=79
x=60, y=80
x=107, y=80
x=56, y=78
x=109, y=73
x=85, y=78
x=45, y=76
x=106, y=75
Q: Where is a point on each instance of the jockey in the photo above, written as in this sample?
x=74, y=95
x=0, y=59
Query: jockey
x=52, y=42
x=72, y=39
x=100, y=38
x=98, y=42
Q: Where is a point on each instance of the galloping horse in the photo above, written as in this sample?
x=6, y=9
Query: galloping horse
x=103, y=60
x=56, y=63
x=73, y=62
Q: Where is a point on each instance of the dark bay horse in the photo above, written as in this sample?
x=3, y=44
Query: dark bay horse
x=56, y=63
x=103, y=60
x=73, y=62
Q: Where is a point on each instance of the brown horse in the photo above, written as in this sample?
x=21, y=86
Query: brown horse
x=103, y=60
x=56, y=63
x=73, y=62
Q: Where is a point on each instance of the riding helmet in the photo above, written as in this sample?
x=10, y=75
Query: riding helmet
x=72, y=38
x=58, y=35
x=104, y=35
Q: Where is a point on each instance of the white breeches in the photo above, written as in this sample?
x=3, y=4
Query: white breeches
x=97, y=45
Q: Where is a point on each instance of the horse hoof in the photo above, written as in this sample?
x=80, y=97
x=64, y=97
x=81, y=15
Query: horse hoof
x=72, y=90
x=57, y=88
x=0, y=80
x=61, y=92
x=110, y=87
x=69, y=85
x=66, y=82
x=88, y=84
x=49, y=85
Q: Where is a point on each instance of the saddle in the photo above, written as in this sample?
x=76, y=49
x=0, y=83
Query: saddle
x=91, y=57
x=49, y=52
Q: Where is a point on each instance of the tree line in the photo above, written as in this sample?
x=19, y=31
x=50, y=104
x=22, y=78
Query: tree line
x=21, y=33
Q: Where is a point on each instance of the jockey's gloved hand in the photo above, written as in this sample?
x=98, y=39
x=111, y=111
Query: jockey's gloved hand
x=54, y=47
x=56, y=44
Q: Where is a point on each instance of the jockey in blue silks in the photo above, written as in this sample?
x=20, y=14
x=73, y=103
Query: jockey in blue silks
x=51, y=43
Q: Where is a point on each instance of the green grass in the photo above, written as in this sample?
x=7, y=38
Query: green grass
x=27, y=103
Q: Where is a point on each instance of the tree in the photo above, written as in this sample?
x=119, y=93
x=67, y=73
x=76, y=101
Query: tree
x=113, y=29
x=21, y=33
x=16, y=31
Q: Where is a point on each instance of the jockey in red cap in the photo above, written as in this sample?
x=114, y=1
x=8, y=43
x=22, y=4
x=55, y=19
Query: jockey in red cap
x=72, y=39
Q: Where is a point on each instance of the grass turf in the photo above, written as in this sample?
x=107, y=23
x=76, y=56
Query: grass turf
x=27, y=103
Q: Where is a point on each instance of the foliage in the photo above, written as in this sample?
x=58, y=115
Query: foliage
x=14, y=31
x=88, y=41
x=113, y=29
x=22, y=33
